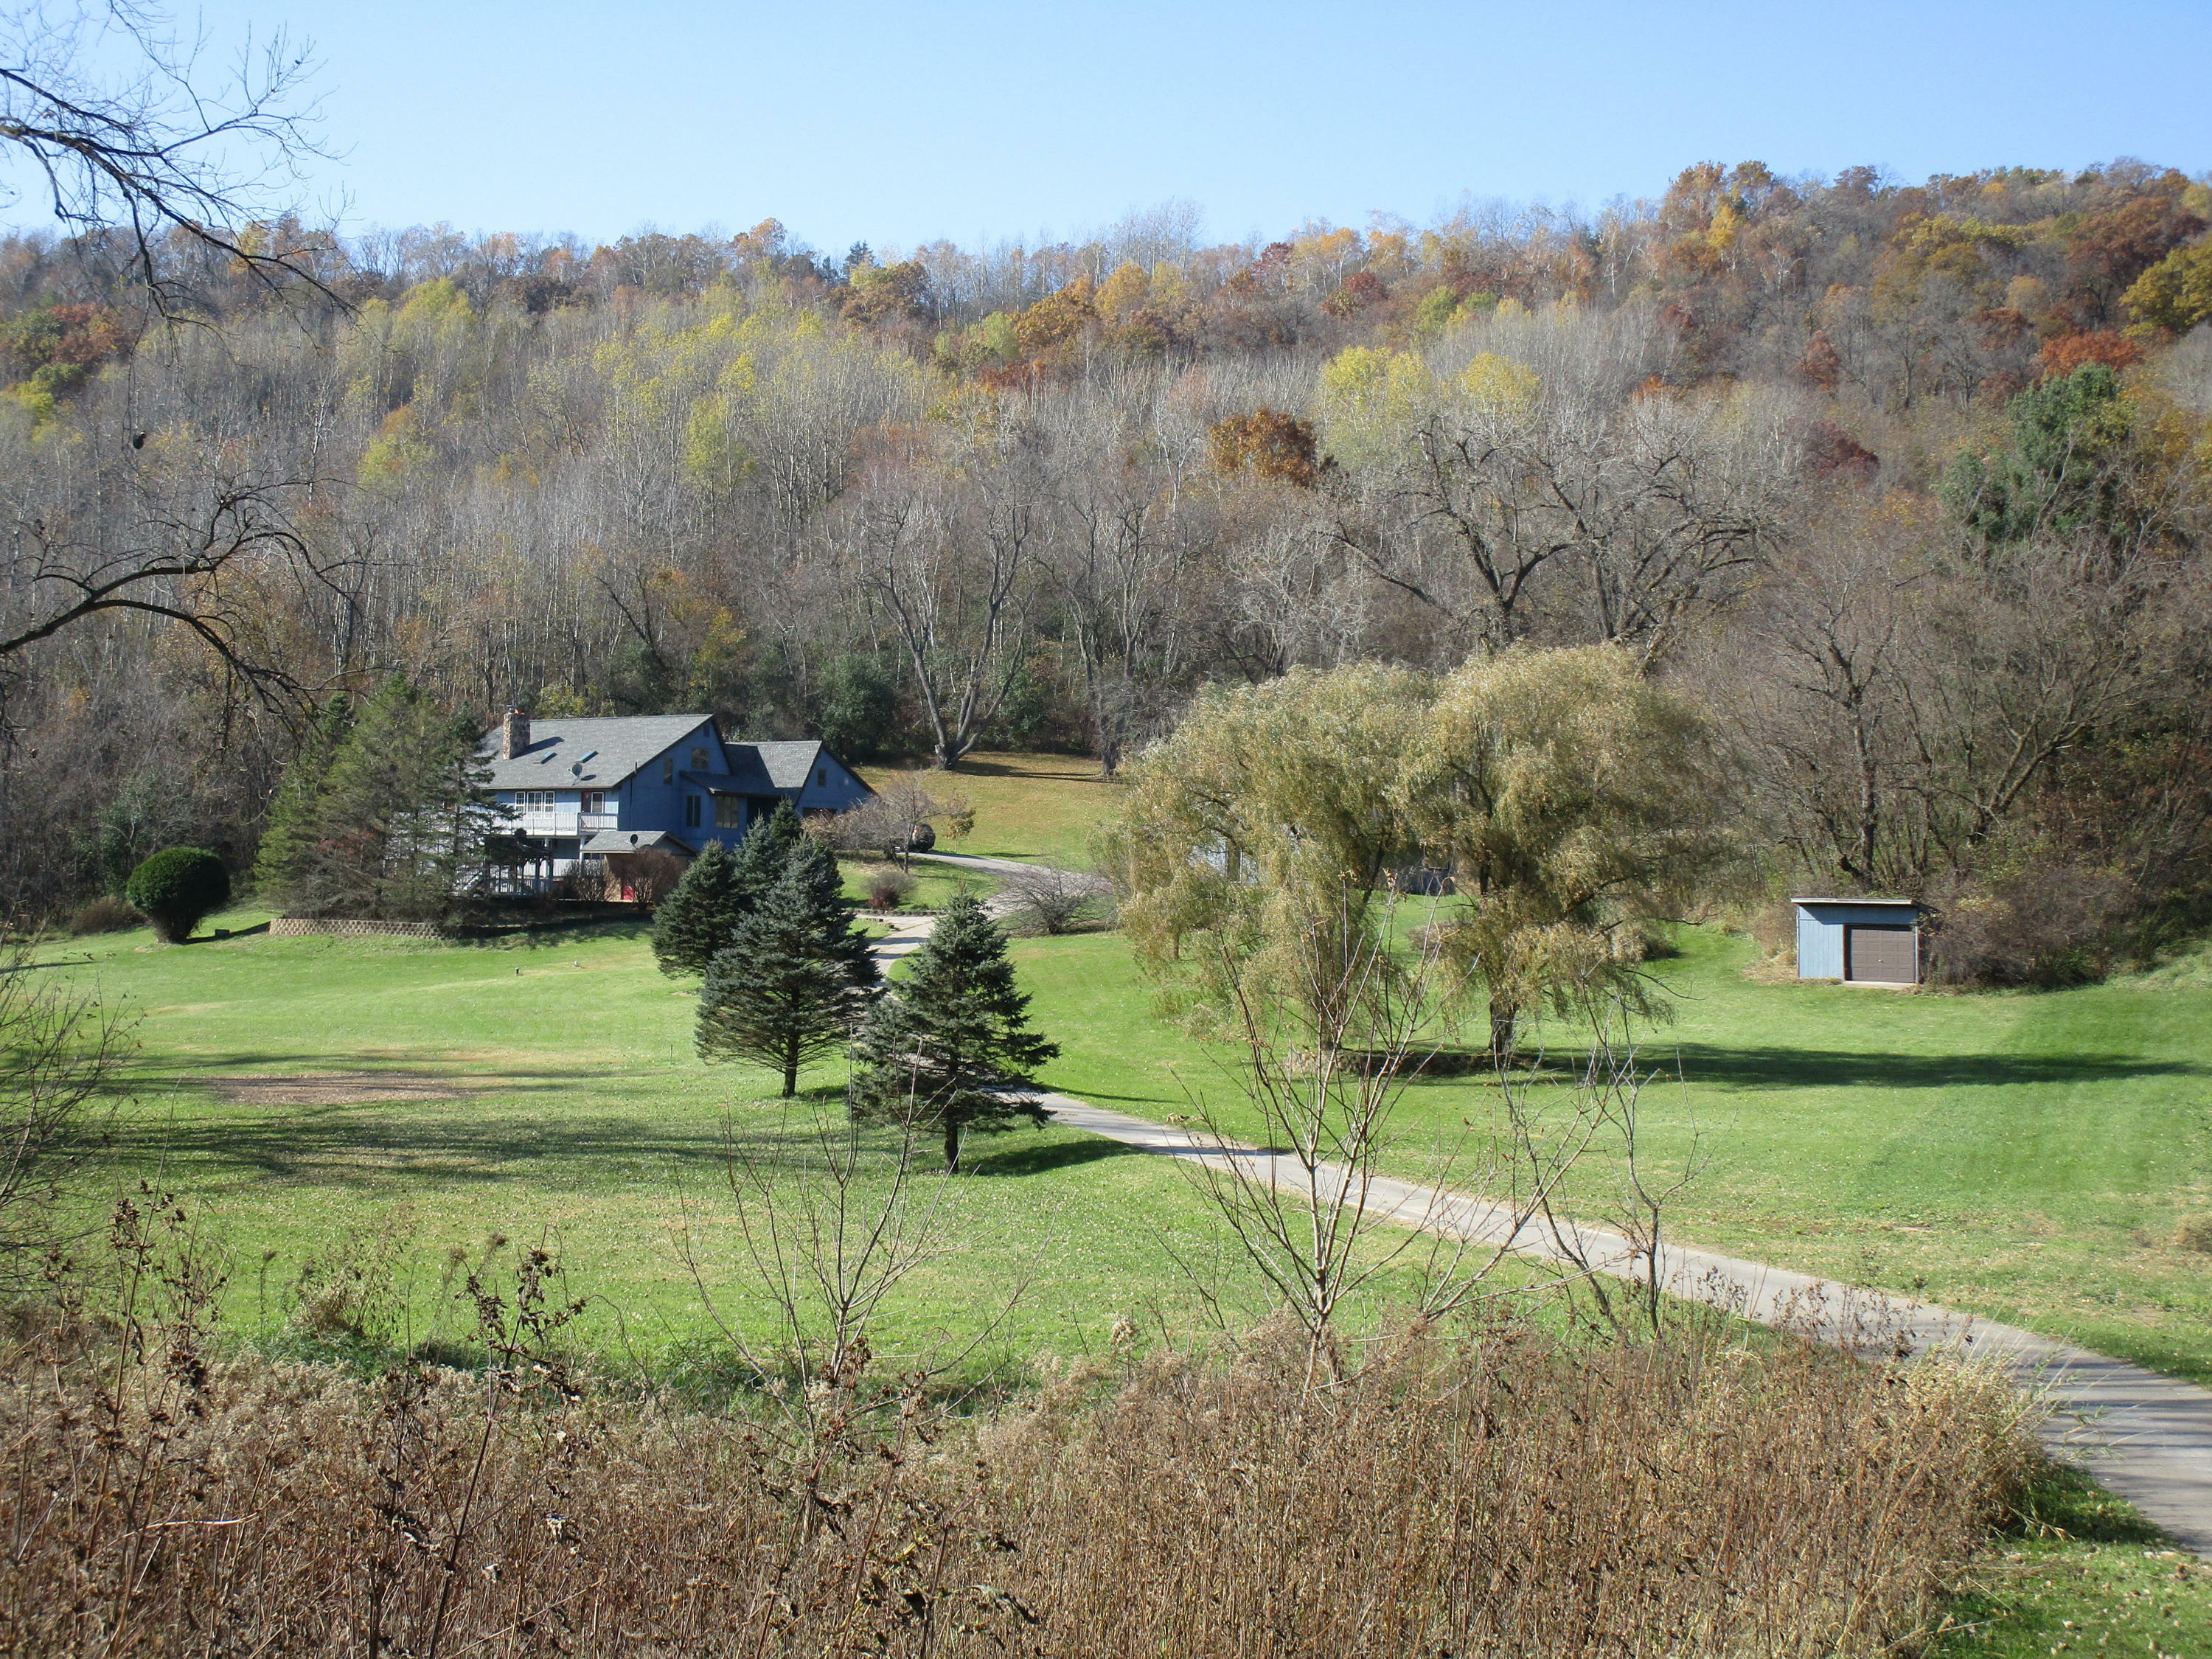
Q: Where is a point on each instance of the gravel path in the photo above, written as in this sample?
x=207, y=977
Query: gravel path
x=2144, y=1435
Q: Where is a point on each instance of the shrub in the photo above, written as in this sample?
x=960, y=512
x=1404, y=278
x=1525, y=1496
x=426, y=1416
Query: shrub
x=2046, y=923
x=103, y=916
x=178, y=888
x=888, y=887
x=1045, y=899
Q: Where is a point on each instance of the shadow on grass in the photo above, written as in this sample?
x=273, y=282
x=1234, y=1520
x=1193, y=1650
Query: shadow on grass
x=493, y=1129
x=2063, y=1502
x=1078, y=771
x=552, y=935
x=370, y=1145
x=1043, y=1160
x=1825, y=1068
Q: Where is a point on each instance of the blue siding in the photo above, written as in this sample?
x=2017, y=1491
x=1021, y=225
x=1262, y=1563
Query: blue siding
x=837, y=790
x=1820, y=945
x=1820, y=932
x=648, y=802
x=655, y=796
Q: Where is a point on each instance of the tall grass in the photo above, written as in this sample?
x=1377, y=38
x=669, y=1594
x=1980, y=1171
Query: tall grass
x=1502, y=1493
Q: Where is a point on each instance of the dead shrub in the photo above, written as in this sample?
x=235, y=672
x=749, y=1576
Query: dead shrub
x=888, y=887
x=2043, y=923
x=104, y=915
x=1047, y=899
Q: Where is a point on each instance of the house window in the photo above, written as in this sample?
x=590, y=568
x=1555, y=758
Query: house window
x=729, y=811
x=533, y=800
x=668, y=768
x=595, y=800
x=698, y=760
x=821, y=776
x=691, y=811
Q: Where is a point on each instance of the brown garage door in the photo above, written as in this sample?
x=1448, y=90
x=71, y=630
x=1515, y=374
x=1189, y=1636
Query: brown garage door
x=1888, y=955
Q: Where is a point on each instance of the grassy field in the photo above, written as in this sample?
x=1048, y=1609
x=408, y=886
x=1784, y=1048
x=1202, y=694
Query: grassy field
x=2083, y=1574
x=1027, y=806
x=2025, y=1157
x=311, y=1096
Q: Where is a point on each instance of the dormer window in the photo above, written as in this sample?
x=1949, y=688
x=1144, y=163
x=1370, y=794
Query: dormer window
x=698, y=760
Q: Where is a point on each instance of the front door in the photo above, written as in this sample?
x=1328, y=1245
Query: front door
x=1882, y=955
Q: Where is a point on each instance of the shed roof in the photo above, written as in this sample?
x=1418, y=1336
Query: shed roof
x=1910, y=904
x=616, y=746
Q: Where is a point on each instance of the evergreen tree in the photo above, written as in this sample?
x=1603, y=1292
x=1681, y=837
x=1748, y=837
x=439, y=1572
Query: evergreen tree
x=796, y=982
x=813, y=865
x=700, y=917
x=401, y=822
x=950, y=1044
x=763, y=853
x=295, y=817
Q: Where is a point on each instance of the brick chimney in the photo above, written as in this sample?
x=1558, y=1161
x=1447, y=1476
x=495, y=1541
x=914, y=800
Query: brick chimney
x=514, y=734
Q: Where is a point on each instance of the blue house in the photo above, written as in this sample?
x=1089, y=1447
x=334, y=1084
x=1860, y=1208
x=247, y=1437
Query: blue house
x=582, y=791
x=1860, y=941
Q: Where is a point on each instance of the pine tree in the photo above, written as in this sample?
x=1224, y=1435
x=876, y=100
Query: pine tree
x=796, y=982
x=697, y=920
x=763, y=853
x=402, y=819
x=296, y=815
x=950, y=1044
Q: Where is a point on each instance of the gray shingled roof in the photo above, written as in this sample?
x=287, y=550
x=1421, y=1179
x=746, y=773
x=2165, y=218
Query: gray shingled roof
x=633, y=840
x=618, y=746
x=788, y=763
x=746, y=776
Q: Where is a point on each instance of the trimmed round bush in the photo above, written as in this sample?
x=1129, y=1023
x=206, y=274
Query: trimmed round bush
x=178, y=888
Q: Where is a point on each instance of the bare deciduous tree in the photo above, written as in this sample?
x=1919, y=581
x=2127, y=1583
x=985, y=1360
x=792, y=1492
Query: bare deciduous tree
x=1045, y=898
x=947, y=563
x=162, y=145
x=59, y=1052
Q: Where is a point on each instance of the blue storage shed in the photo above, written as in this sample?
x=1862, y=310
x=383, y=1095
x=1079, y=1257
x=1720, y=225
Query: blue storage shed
x=1862, y=941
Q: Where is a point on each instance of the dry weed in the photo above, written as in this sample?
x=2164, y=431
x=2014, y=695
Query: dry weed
x=1503, y=1495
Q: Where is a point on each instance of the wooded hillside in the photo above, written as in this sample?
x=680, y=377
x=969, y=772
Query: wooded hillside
x=1908, y=482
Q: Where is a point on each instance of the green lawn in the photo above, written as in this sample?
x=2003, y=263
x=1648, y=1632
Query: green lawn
x=1027, y=806
x=935, y=886
x=543, y=1088
x=2025, y=1157
x=2081, y=1573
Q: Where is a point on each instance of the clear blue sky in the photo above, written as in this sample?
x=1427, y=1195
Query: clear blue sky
x=962, y=118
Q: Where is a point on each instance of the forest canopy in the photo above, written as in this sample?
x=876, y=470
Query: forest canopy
x=1905, y=483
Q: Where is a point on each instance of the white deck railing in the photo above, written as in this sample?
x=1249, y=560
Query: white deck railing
x=561, y=824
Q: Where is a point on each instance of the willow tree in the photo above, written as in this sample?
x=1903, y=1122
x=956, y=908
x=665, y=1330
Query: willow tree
x=1260, y=836
x=1575, y=802
x=1571, y=801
